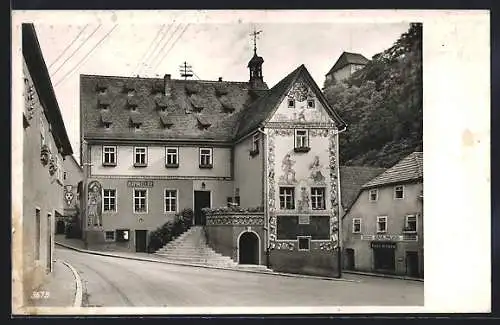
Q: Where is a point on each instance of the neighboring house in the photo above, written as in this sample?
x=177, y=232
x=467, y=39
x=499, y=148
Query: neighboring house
x=346, y=65
x=153, y=147
x=72, y=177
x=45, y=145
x=383, y=227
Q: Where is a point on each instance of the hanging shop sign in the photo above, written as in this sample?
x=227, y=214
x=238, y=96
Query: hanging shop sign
x=140, y=183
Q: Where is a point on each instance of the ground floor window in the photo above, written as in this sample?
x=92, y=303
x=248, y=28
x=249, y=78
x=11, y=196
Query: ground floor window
x=122, y=235
x=109, y=236
x=304, y=243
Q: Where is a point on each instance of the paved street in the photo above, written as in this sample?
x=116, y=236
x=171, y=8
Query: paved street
x=115, y=282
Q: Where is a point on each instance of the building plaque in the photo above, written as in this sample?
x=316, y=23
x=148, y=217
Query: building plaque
x=140, y=183
x=383, y=244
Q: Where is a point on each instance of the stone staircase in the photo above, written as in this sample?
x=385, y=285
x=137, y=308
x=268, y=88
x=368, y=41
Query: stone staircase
x=191, y=247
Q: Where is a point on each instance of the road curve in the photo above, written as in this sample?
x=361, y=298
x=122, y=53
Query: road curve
x=116, y=282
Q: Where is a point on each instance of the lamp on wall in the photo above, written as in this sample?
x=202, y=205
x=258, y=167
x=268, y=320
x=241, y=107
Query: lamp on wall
x=203, y=185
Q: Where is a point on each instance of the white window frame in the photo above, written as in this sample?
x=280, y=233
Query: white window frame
x=104, y=149
x=285, y=195
x=402, y=189
x=104, y=197
x=316, y=197
x=210, y=155
x=167, y=154
x=304, y=137
x=416, y=223
x=255, y=142
x=146, y=200
x=353, y=225
x=381, y=218
x=298, y=243
x=176, y=191
x=375, y=190
x=106, y=237
x=136, y=154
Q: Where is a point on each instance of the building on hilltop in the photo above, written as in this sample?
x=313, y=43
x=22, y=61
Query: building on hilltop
x=45, y=146
x=152, y=147
x=383, y=226
x=345, y=66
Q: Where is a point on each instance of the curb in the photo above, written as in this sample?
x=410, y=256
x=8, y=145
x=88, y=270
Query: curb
x=79, y=291
x=204, y=266
x=388, y=276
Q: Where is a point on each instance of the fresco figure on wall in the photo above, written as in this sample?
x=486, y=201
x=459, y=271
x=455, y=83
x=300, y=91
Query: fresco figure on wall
x=315, y=168
x=94, y=204
x=304, y=199
x=288, y=176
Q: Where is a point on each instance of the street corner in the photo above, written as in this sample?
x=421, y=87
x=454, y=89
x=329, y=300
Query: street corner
x=61, y=288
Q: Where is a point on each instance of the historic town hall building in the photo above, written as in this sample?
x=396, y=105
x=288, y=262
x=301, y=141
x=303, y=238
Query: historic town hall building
x=152, y=147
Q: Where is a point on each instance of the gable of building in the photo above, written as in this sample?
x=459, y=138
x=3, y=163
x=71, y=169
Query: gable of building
x=407, y=169
x=268, y=107
x=347, y=58
x=352, y=178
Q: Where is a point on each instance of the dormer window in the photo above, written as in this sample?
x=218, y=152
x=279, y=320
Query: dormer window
x=103, y=102
x=101, y=87
x=301, y=141
x=203, y=124
x=291, y=103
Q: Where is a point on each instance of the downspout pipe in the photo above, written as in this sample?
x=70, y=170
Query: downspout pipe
x=264, y=188
x=339, y=198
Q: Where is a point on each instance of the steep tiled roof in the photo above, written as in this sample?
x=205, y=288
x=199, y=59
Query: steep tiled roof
x=352, y=179
x=407, y=169
x=261, y=109
x=348, y=58
x=186, y=98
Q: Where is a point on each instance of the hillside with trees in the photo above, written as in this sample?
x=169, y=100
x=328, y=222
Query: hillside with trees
x=382, y=105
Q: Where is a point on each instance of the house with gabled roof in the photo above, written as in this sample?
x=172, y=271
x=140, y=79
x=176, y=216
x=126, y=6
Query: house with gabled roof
x=383, y=225
x=345, y=66
x=153, y=147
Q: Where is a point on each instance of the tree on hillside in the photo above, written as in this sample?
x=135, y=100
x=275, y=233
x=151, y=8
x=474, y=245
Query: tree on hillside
x=382, y=105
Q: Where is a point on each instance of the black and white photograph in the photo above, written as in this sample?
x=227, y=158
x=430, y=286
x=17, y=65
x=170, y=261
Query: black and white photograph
x=216, y=160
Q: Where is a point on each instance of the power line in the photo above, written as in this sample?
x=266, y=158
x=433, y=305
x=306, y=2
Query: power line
x=151, y=54
x=173, y=44
x=79, y=47
x=158, y=55
x=85, y=57
x=67, y=47
x=149, y=48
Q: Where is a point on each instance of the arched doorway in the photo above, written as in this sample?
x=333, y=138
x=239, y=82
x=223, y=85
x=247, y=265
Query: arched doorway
x=248, y=248
x=60, y=227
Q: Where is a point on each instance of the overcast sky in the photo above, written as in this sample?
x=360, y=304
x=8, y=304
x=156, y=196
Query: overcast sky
x=213, y=50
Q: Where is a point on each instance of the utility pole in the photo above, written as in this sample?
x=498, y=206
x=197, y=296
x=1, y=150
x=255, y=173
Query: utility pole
x=186, y=70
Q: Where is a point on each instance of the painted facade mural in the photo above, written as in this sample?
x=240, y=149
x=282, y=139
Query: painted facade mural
x=94, y=205
x=235, y=220
x=306, y=106
x=302, y=170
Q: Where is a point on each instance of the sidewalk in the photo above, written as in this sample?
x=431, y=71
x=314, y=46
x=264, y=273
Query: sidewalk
x=59, y=290
x=76, y=244
x=380, y=275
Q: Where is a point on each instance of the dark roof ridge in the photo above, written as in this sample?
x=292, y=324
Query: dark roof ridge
x=161, y=79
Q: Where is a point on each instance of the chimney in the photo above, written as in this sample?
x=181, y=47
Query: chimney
x=220, y=79
x=166, y=84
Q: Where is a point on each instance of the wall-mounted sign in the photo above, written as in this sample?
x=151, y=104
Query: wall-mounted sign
x=382, y=237
x=389, y=245
x=140, y=183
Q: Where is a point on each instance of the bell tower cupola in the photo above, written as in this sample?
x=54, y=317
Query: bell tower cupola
x=255, y=64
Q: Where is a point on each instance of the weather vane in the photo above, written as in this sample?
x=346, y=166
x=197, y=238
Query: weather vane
x=255, y=34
